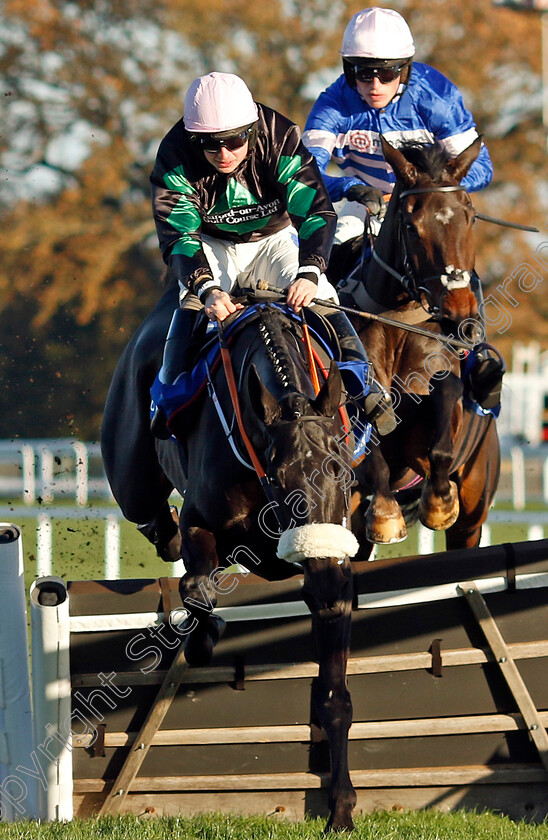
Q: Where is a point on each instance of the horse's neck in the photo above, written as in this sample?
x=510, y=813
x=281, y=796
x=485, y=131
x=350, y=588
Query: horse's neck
x=265, y=345
x=380, y=284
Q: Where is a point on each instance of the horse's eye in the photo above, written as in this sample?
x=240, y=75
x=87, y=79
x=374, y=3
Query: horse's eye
x=411, y=229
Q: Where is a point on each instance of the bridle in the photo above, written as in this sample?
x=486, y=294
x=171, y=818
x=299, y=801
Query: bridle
x=455, y=278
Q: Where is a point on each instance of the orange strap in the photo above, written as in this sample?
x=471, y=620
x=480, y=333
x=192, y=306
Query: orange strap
x=342, y=410
x=233, y=390
x=311, y=363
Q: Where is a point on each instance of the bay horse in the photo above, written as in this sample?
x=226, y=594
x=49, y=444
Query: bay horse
x=441, y=464
x=293, y=465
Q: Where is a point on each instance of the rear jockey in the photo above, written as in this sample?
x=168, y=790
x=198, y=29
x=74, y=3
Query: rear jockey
x=381, y=91
x=237, y=198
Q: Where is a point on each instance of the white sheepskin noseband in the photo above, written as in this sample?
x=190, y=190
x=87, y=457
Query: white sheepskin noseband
x=321, y=540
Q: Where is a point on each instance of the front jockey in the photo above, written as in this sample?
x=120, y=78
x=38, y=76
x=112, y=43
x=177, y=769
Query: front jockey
x=383, y=92
x=238, y=198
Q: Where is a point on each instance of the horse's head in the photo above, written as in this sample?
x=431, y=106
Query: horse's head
x=435, y=217
x=305, y=459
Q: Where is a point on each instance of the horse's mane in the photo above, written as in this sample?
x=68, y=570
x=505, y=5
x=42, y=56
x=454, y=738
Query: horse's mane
x=272, y=333
x=430, y=158
x=273, y=329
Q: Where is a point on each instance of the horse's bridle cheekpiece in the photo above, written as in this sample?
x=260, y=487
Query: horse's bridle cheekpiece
x=453, y=278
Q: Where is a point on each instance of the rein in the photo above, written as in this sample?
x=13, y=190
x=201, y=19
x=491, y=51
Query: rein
x=233, y=391
x=390, y=322
x=515, y=225
x=311, y=361
x=484, y=218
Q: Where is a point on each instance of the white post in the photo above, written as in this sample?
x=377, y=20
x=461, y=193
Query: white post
x=518, y=477
x=82, y=467
x=178, y=568
x=29, y=474
x=18, y=789
x=46, y=458
x=535, y=532
x=545, y=481
x=44, y=545
x=49, y=610
x=485, y=539
x=112, y=548
x=425, y=540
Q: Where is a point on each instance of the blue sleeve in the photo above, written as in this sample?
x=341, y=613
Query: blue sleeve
x=324, y=124
x=452, y=123
x=337, y=186
x=480, y=173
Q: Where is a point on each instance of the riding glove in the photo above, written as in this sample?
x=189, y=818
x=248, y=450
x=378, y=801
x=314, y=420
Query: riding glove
x=371, y=197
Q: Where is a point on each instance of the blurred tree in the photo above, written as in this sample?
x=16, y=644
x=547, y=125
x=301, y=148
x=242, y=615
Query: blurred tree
x=90, y=87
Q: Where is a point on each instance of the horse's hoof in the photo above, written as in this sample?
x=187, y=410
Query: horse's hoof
x=437, y=513
x=385, y=530
x=201, y=642
x=339, y=825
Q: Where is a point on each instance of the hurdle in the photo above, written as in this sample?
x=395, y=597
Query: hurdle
x=447, y=675
x=18, y=778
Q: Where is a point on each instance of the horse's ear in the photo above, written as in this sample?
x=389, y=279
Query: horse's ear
x=329, y=399
x=265, y=406
x=404, y=171
x=459, y=166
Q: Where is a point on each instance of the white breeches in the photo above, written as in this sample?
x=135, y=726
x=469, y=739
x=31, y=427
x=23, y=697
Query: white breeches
x=274, y=259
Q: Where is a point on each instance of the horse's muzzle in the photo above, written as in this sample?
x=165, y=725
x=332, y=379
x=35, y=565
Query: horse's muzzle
x=320, y=540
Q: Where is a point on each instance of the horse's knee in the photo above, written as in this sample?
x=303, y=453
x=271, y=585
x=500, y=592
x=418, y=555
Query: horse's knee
x=333, y=705
x=197, y=594
x=328, y=590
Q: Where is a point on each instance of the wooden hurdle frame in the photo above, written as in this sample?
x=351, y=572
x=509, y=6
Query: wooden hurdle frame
x=449, y=690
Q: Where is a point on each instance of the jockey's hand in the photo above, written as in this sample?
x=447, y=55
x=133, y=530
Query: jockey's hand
x=219, y=305
x=370, y=196
x=301, y=292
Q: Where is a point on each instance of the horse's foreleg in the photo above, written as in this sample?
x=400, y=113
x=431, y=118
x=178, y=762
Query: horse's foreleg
x=384, y=522
x=198, y=594
x=439, y=503
x=327, y=592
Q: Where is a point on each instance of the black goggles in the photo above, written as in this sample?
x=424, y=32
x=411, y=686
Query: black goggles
x=213, y=144
x=383, y=74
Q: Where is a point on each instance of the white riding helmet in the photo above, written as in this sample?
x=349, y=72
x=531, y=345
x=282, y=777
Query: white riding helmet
x=218, y=102
x=378, y=34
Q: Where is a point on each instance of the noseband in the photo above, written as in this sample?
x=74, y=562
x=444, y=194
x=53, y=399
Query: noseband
x=454, y=278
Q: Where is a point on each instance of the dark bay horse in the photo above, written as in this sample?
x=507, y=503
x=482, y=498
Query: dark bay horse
x=295, y=435
x=442, y=461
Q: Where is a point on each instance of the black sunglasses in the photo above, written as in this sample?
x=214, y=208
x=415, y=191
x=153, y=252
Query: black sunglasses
x=383, y=74
x=215, y=144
